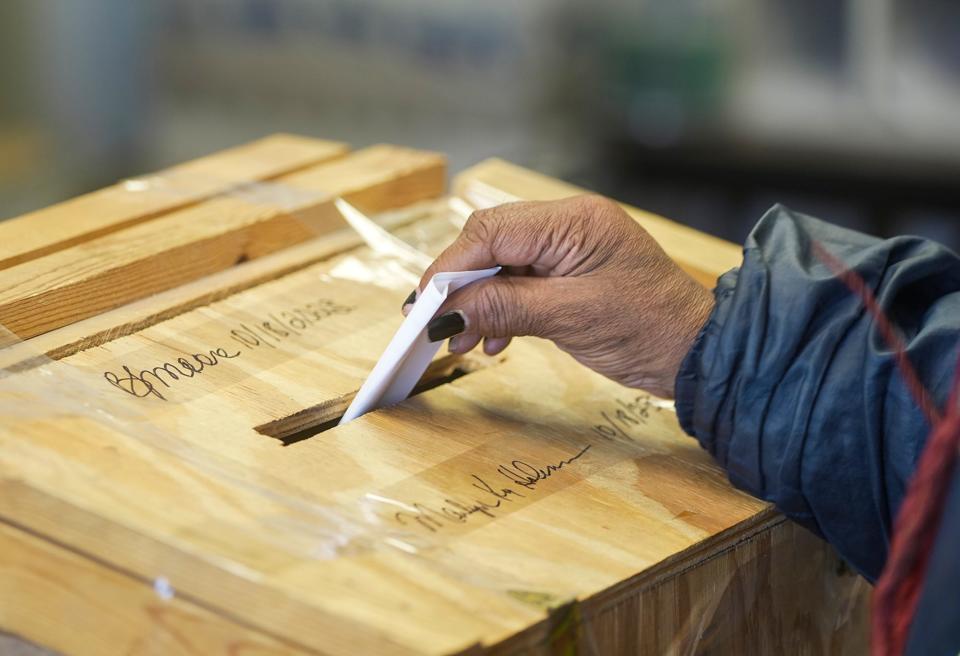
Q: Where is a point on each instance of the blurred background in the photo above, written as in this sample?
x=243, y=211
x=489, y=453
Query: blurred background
x=705, y=111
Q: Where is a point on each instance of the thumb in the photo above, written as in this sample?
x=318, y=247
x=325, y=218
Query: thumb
x=502, y=306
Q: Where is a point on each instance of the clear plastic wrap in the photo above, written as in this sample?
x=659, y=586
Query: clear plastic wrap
x=173, y=499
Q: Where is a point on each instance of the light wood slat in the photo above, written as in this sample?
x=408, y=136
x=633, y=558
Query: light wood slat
x=128, y=203
x=701, y=255
x=76, y=283
x=135, y=316
x=72, y=604
x=304, y=541
x=538, y=404
x=148, y=512
x=772, y=589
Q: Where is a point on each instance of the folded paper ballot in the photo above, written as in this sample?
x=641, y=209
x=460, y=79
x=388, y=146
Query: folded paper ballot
x=410, y=351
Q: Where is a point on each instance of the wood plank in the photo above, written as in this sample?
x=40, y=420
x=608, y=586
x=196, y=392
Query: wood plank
x=411, y=530
x=131, y=202
x=427, y=450
x=775, y=587
x=701, y=255
x=104, y=273
x=143, y=313
x=61, y=600
x=64, y=478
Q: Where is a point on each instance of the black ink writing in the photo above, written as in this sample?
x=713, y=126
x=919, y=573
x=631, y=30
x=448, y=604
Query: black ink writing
x=275, y=327
x=269, y=331
x=491, y=497
x=146, y=382
x=625, y=415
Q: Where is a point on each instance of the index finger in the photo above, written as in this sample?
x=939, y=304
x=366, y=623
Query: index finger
x=513, y=234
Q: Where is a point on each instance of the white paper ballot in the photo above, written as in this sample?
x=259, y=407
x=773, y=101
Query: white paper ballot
x=409, y=353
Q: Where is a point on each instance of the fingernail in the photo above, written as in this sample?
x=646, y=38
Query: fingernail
x=446, y=325
x=493, y=345
x=410, y=299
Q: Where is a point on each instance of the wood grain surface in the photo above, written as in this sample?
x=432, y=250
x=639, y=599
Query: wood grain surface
x=134, y=316
x=75, y=283
x=529, y=506
x=75, y=605
x=140, y=199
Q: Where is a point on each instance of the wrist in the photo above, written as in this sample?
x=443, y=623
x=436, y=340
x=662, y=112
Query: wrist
x=695, y=313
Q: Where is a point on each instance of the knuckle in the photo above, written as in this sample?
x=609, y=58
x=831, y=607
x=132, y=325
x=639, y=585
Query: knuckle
x=606, y=217
x=582, y=224
x=592, y=211
x=490, y=310
x=598, y=205
x=495, y=311
x=478, y=227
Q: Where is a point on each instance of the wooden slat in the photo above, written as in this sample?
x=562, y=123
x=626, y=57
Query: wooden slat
x=112, y=495
x=75, y=605
x=702, y=256
x=774, y=588
x=601, y=520
x=141, y=314
x=59, y=289
x=305, y=541
x=128, y=203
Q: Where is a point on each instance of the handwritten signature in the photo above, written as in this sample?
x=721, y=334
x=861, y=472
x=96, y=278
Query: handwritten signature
x=291, y=322
x=522, y=477
x=490, y=498
x=146, y=381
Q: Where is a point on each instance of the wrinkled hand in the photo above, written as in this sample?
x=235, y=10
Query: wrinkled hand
x=579, y=272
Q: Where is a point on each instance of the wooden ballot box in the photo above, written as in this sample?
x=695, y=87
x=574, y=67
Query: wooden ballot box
x=176, y=352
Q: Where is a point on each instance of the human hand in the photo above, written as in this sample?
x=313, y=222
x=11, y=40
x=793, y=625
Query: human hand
x=581, y=273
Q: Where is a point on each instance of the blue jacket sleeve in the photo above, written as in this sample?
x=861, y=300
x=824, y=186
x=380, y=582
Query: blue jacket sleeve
x=793, y=389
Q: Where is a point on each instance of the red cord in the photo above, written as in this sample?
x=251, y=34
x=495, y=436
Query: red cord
x=897, y=593
x=890, y=334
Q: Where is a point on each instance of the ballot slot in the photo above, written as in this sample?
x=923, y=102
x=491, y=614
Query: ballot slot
x=325, y=416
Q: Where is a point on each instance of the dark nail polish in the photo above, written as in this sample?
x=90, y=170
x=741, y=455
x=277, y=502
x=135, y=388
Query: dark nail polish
x=446, y=325
x=410, y=299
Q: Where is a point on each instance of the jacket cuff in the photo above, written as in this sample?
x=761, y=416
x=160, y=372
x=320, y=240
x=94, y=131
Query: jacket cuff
x=691, y=369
